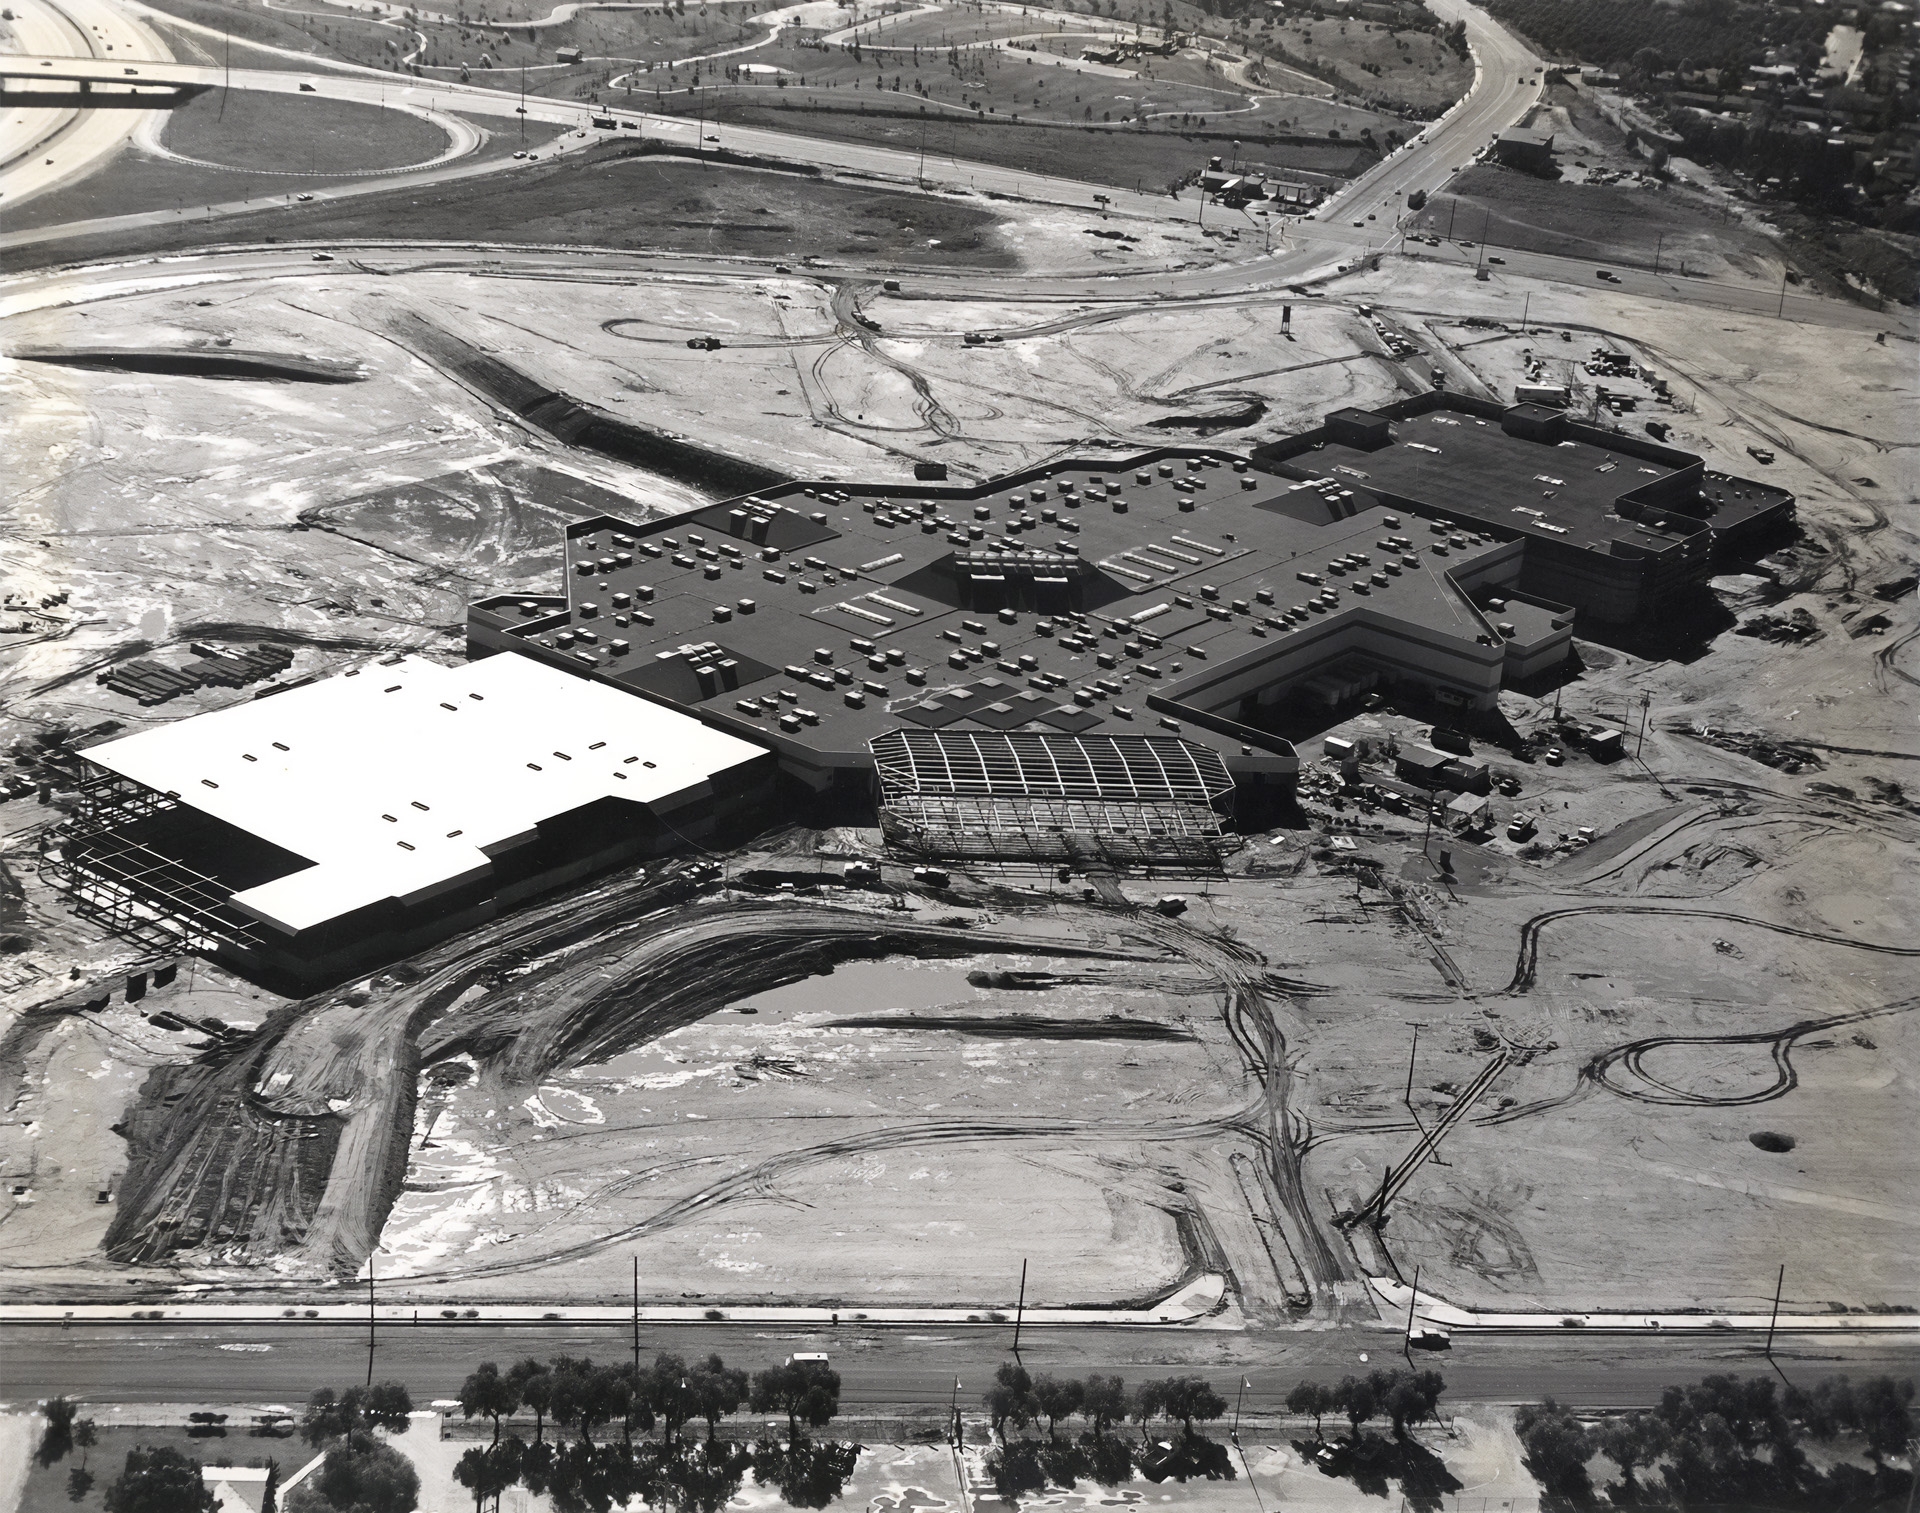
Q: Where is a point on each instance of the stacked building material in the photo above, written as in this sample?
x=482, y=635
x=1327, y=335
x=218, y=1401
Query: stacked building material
x=152, y=682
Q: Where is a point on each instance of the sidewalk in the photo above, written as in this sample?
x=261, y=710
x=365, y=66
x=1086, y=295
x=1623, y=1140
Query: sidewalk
x=1192, y=1304
x=1430, y=1310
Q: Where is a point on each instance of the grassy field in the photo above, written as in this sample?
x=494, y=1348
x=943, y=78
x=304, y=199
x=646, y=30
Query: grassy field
x=348, y=37
x=266, y=134
x=608, y=199
x=1607, y=222
x=1415, y=68
x=134, y=183
x=1097, y=155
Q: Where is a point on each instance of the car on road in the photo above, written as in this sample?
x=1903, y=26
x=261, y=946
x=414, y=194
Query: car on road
x=306, y=88
x=1760, y=454
x=303, y=198
x=1500, y=260
x=1555, y=756
x=1361, y=224
x=1433, y=241
x=1606, y=276
x=781, y=268
x=713, y=139
x=519, y=154
x=323, y=257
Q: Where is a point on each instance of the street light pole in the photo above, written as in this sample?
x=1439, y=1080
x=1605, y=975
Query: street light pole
x=1406, y=1348
x=370, y=1322
x=1020, y=1308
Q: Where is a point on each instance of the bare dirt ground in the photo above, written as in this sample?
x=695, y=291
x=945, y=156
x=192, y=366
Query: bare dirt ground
x=1724, y=960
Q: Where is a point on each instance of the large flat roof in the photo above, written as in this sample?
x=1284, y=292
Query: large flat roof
x=397, y=780
x=846, y=598
x=1469, y=466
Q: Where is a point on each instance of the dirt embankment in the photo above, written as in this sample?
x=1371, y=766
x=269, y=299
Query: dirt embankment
x=293, y=1142
x=579, y=424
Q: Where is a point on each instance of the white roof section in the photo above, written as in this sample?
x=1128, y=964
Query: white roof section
x=396, y=780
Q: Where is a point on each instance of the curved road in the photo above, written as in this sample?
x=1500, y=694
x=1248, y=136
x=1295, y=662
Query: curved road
x=40, y=149
x=1507, y=83
x=1501, y=92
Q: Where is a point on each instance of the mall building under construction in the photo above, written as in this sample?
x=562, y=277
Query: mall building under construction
x=1091, y=664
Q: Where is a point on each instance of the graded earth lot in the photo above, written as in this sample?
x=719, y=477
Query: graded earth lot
x=1690, y=994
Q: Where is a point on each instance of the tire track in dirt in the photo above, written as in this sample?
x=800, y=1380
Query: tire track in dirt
x=1527, y=963
x=1594, y=1075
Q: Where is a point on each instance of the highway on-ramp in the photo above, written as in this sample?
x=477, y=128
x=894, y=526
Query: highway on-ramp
x=41, y=149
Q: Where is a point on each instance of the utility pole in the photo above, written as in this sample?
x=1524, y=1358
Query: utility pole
x=1453, y=206
x=370, y=1323
x=1656, y=251
x=523, y=105
x=1777, y=1286
x=1238, y=1397
x=1406, y=1348
x=1412, y=1052
x=1484, y=226
x=920, y=176
x=1781, y=313
x=636, y=1318
x=1646, y=703
x=953, y=1414
x=1525, y=306
x=1020, y=1308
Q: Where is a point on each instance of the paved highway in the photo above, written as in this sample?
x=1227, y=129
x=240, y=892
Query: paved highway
x=881, y=1368
x=40, y=149
x=1506, y=84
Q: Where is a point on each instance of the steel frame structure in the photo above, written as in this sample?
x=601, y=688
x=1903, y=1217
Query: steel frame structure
x=128, y=886
x=1124, y=801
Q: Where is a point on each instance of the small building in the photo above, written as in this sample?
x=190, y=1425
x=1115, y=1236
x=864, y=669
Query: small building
x=1554, y=395
x=1468, y=774
x=566, y=54
x=1605, y=744
x=1470, y=811
x=1422, y=765
x=1525, y=148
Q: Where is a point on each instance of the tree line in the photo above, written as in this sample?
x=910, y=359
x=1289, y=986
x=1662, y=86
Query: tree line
x=1729, y=1441
x=580, y=1397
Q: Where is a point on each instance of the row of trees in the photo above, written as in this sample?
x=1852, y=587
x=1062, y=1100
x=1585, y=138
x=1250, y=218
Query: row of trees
x=1017, y=1399
x=1729, y=1441
x=1401, y=1397
x=1723, y=31
x=578, y=1395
